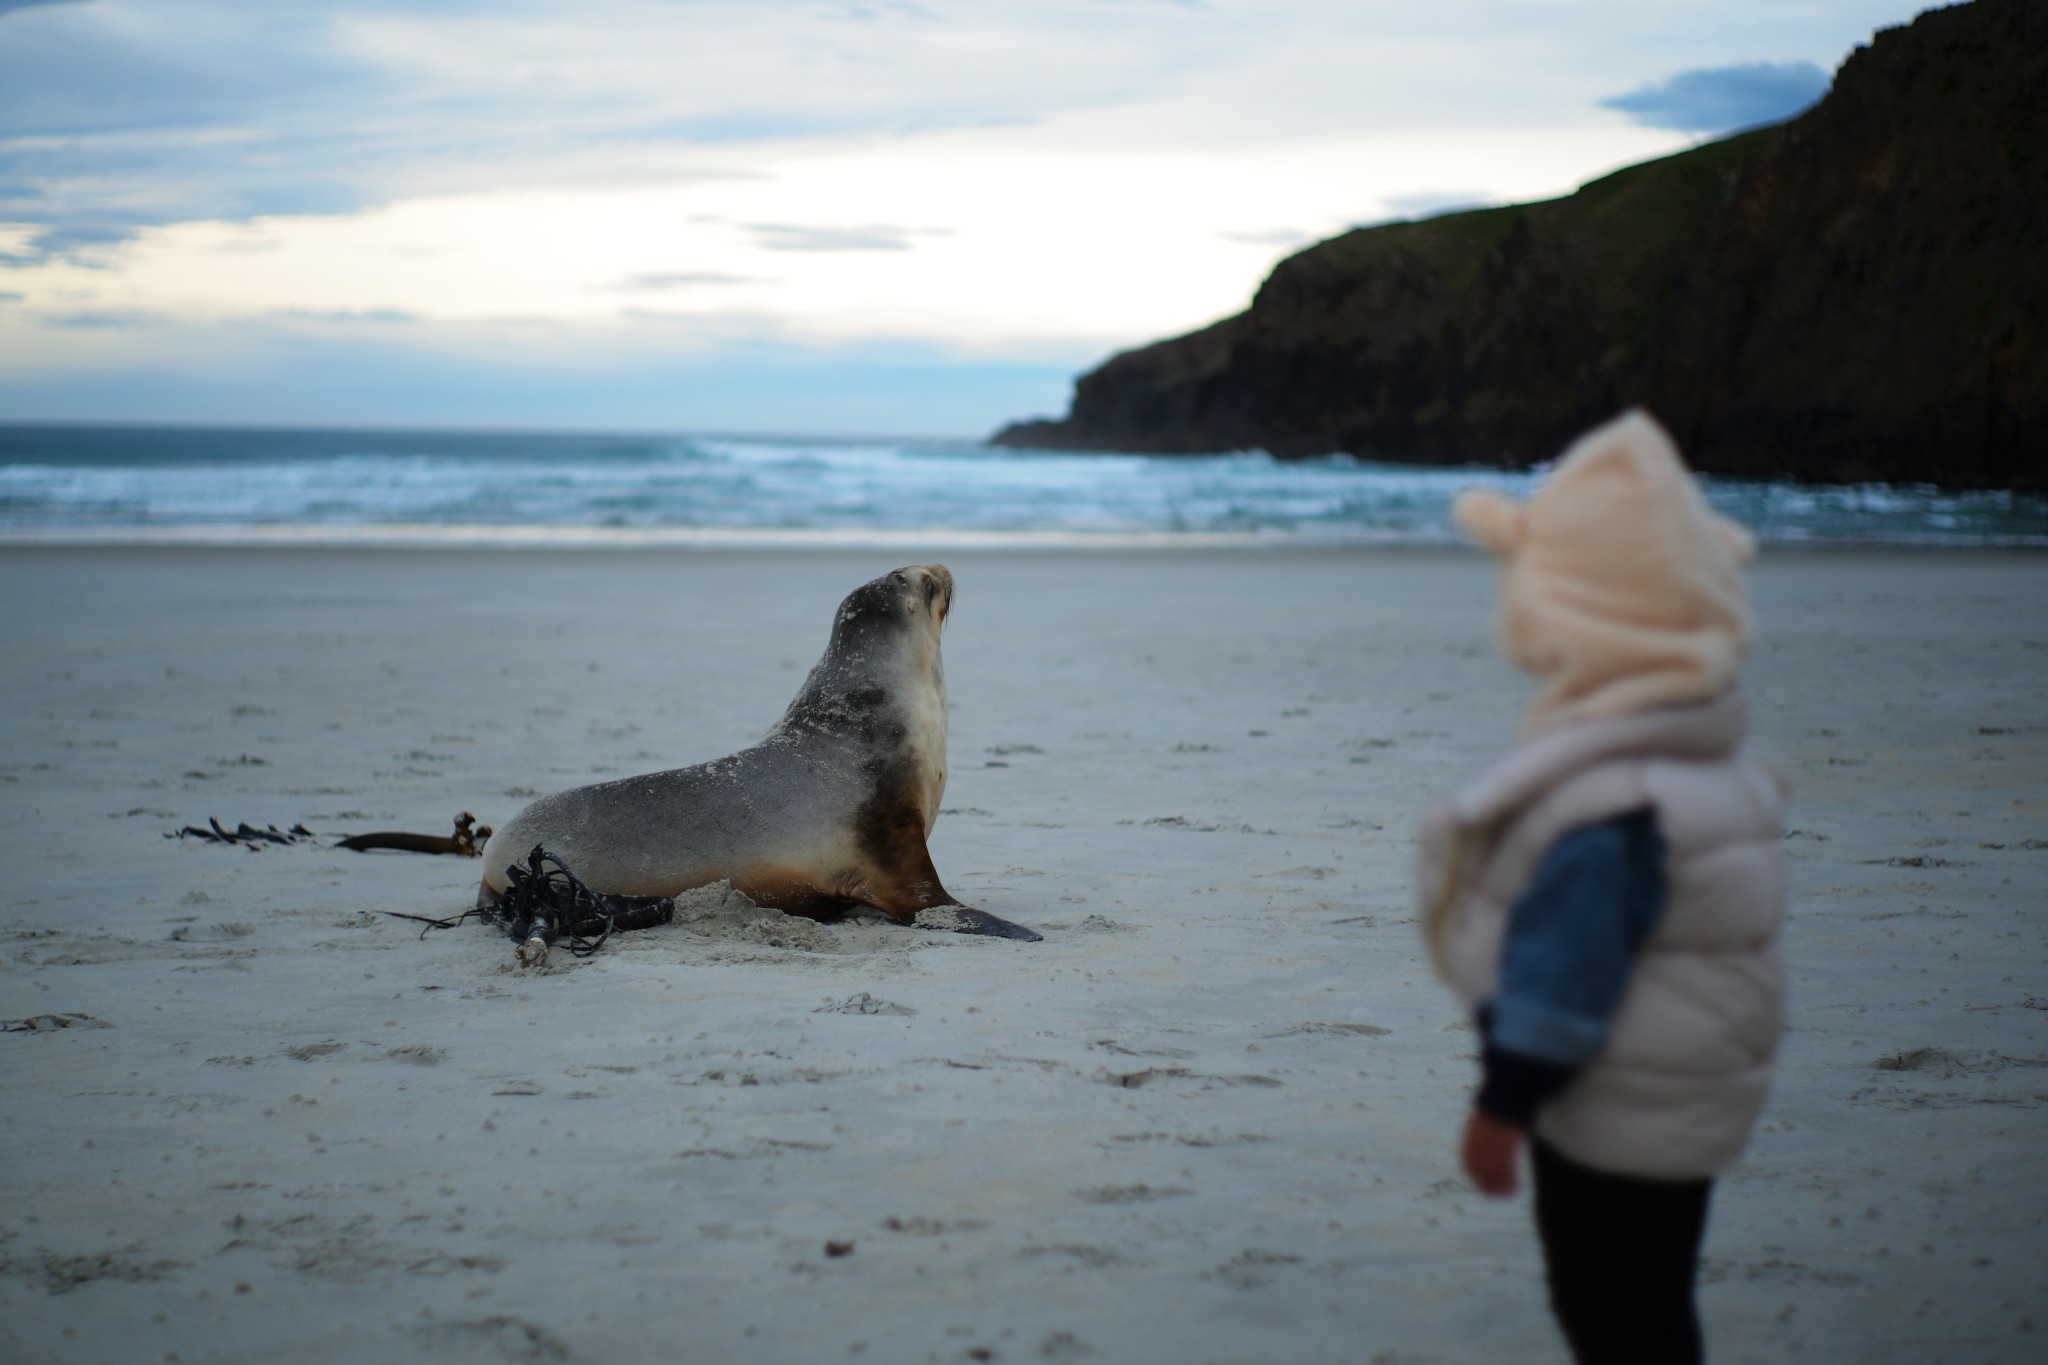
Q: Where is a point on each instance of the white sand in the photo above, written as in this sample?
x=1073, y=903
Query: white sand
x=1209, y=1118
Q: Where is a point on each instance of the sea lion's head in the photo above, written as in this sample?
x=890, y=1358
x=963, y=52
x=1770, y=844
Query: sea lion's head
x=896, y=619
x=917, y=596
x=881, y=680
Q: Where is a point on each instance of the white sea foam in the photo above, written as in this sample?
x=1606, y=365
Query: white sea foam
x=105, y=485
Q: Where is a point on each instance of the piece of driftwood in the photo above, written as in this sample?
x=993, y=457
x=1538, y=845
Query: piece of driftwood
x=466, y=842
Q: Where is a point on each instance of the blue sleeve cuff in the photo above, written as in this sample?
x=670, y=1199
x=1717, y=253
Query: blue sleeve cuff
x=1514, y=1087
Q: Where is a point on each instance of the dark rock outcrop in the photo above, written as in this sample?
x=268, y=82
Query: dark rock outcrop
x=1860, y=293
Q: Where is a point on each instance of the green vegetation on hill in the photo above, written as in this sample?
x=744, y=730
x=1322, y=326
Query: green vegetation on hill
x=1857, y=294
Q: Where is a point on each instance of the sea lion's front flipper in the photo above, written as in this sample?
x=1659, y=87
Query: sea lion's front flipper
x=962, y=920
x=906, y=888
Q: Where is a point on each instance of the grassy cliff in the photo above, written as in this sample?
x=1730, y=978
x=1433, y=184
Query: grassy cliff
x=1860, y=293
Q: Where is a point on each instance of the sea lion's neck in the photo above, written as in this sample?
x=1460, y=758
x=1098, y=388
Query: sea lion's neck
x=870, y=694
x=891, y=700
x=924, y=710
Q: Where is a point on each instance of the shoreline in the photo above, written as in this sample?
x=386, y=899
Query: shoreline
x=814, y=540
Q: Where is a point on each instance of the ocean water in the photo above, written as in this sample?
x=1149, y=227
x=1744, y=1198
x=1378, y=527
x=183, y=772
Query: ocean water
x=139, y=485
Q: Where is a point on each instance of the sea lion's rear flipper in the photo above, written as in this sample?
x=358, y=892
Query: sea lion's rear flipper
x=544, y=901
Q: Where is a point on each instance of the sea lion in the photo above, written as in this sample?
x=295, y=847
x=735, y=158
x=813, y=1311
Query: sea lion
x=829, y=811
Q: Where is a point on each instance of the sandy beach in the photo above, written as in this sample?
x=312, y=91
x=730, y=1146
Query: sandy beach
x=247, y=1116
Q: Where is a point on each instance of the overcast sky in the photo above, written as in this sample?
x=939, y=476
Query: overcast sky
x=768, y=215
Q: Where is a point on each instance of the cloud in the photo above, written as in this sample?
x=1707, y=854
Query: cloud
x=1283, y=237
x=344, y=315
x=97, y=319
x=656, y=281
x=1431, y=203
x=1721, y=99
x=131, y=114
x=811, y=237
x=124, y=115
x=118, y=117
x=72, y=71
x=70, y=237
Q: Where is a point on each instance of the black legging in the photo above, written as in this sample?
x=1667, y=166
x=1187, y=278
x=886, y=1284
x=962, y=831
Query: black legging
x=1622, y=1254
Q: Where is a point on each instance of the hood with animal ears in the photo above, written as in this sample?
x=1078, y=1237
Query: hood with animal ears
x=1620, y=588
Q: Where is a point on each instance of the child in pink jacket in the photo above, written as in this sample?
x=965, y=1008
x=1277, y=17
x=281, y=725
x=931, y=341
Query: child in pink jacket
x=1605, y=898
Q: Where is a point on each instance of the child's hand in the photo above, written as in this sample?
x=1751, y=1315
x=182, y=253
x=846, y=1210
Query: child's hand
x=1490, y=1153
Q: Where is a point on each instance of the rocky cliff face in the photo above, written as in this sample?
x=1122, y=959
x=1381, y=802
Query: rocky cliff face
x=1860, y=293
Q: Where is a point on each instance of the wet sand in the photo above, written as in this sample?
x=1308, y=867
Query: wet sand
x=247, y=1116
